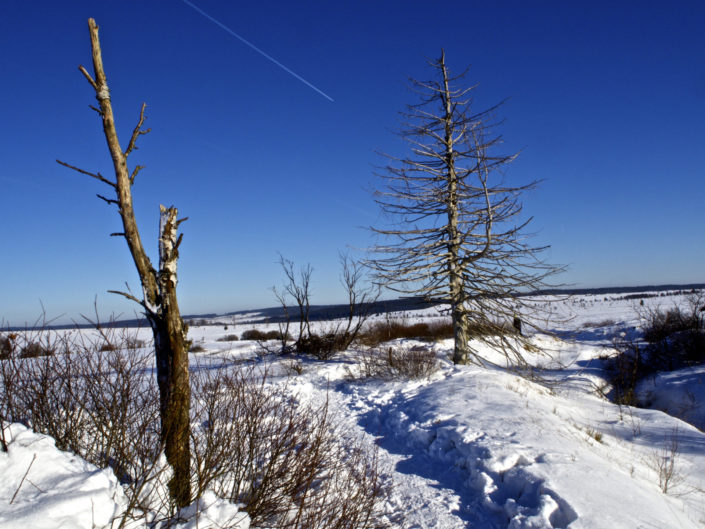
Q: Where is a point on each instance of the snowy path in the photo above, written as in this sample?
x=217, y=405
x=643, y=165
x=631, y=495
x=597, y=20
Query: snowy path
x=478, y=449
x=424, y=493
x=442, y=469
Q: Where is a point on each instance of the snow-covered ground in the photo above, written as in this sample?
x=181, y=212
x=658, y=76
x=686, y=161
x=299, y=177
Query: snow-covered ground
x=469, y=446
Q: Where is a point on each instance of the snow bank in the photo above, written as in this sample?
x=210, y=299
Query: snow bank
x=519, y=455
x=679, y=393
x=43, y=487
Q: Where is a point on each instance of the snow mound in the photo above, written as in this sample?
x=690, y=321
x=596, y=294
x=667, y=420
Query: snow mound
x=43, y=487
x=516, y=454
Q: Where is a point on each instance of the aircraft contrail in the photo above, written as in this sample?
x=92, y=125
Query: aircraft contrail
x=245, y=41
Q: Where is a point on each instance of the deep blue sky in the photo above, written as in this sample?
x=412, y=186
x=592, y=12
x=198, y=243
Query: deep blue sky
x=606, y=103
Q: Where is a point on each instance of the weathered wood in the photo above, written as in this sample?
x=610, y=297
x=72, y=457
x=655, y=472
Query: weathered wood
x=158, y=287
x=172, y=359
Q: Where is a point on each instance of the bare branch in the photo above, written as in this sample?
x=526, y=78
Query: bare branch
x=178, y=241
x=34, y=457
x=136, y=170
x=128, y=296
x=108, y=200
x=88, y=76
x=98, y=176
x=137, y=132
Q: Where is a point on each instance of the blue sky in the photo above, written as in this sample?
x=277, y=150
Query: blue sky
x=606, y=103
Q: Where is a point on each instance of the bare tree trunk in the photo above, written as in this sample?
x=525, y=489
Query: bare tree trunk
x=158, y=288
x=455, y=272
x=172, y=361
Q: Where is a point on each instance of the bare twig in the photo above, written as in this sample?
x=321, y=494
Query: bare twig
x=136, y=170
x=137, y=132
x=108, y=200
x=88, y=77
x=94, y=175
x=125, y=294
x=23, y=478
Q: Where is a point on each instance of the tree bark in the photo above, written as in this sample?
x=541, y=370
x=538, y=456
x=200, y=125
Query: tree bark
x=455, y=271
x=158, y=287
x=172, y=361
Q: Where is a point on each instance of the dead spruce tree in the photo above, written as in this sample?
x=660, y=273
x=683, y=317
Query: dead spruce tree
x=456, y=234
x=158, y=286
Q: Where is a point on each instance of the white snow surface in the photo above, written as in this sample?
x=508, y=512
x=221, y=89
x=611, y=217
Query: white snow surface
x=469, y=447
x=60, y=490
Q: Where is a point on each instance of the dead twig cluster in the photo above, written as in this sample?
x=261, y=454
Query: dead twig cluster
x=283, y=459
x=398, y=362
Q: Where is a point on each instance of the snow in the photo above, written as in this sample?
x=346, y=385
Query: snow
x=469, y=446
x=59, y=490
x=679, y=393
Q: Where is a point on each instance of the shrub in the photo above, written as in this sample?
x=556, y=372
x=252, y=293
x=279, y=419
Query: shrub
x=672, y=339
x=253, y=334
x=660, y=325
x=35, y=350
x=416, y=362
x=602, y=323
x=196, y=348
x=7, y=345
x=283, y=459
x=626, y=369
x=676, y=337
x=228, y=338
x=260, y=336
x=98, y=402
x=384, y=331
x=252, y=442
x=322, y=347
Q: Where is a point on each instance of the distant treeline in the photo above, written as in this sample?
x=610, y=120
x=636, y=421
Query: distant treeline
x=683, y=289
x=326, y=312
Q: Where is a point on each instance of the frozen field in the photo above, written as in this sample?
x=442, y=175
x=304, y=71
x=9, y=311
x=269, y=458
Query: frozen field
x=468, y=446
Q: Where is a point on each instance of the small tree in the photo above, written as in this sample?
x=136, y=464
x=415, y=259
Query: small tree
x=158, y=286
x=338, y=337
x=457, y=236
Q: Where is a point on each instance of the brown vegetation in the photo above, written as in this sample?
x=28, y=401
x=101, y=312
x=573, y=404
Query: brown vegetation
x=384, y=331
x=255, y=443
x=397, y=362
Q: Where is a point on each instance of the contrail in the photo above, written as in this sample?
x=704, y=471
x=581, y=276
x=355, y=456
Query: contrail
x=242, y=39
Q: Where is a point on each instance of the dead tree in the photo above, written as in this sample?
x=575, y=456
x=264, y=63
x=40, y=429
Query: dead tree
x=360, y=299
x=299, y=288
x=158, y=286
x=455, y=234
